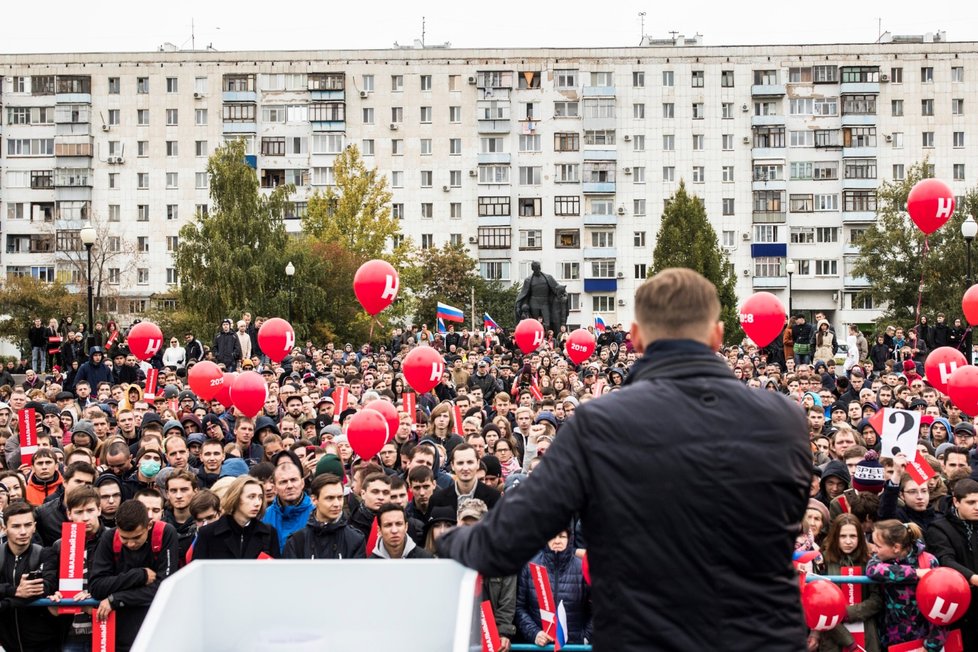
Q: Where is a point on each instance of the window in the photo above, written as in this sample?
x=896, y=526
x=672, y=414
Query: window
x=727, y=204
x=698, y=79
x=926, y=74
x=768, y=201
x=668, y=110
x=959, y=172
x=427, y=240
x=726, y=78
x=668, y=143
x=799, y=75
x=397, y=146
x=765, y=77
x=927, y=139
x=426, y=115
x=114, y=87
x=239, y=112
x=603, y=303
x=171, y=84
x=565, y=109
x=172, y=212
x=727, y=142
x=859, y=200
x=827, y=267
x=927, y=107
x=860, y=168
x=638, y=175
x=567, y=142
x=142, y=117
x=727, y=173
x=171, y=117
x=768, y=137
x=113, y=179
x=368, y=115
x=142, y=213
x=200, y=85
x=767, y=266
x=599, y=108
x=426, y=82
x=805, y=138
x=397, y=83
x=427, y=210
x=826, y=106
x=801, y=203
x=859, y=105
x=200, y=148
x=114, y=276
x=530, y=176
x=530, y=143
x=494, y=207
x=896, y=107
x=41, y=179
x=699, y=174
x=494, y=237
x=899, y=172
x=494, y=270
x=827, y=234
x=860, y=74
x=638, y=207
x=494, y=174
x=172, y=180
x=201, y=181
x=859, y=136
x=602, y=269
x=668, y=78
x=828, y=202
x=142, y=85
x=957, y=106
x=142, y=180
x=531, y=239
x=455, y=210
x=454, y=114
x=896, y=75
x=568, y=271
x=567, y=205
x=638, y=79
x=766, y=232
x=425, y=147
x=638, y=111
x=397, y=211
x=427, y=178
x=668, y=173
x=958, y=139
x=273, y=146
x=397, y=179
x=801, y=106
x=565, y=78
x=698, y=111
x=728, y=238
x=530, y=207
x=567, y=173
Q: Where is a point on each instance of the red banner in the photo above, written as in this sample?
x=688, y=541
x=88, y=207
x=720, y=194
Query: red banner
x=597, y=389
x=112, y=338
x=490, y=634
x=919, y=469
x=152, y=376
x=409, y=403
x=71, y=575
x=545, y=598
x=341, y=398
x=457, y=411
x=854, y=595
x=26, y=420
x=103, y=633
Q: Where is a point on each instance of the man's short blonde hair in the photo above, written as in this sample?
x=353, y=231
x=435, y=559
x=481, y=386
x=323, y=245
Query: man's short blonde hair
x=676, y=303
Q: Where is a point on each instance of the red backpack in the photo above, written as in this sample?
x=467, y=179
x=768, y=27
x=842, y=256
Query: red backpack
x=156, y=541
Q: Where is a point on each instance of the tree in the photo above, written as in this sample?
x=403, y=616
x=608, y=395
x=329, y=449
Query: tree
x=233, y=258
x=24, y=298
x=893, y=261
x=687, y=239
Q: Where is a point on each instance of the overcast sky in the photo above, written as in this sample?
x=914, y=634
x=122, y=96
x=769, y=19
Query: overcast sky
x=110, y=25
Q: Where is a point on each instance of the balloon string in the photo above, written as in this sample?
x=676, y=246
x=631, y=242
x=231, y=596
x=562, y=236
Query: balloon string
x=920, y=288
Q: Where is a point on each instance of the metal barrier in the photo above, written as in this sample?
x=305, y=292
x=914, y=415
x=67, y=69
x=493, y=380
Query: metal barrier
x=44, y=602
x=530, y=647
x=841, y=579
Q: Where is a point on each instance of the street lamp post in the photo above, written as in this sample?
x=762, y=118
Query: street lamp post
x=790, y=268
x=290, y=272
x=88, y=237
x=969, y=229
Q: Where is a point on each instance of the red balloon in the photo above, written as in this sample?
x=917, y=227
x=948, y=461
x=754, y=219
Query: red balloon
x=205, y=379
x=930, y=204
x=969, y=304
x=962, y=387
x=276, y=338
x=367, y=433
x=943, y=596
x=580, y=345
x=376, y=284
x=248, y=393
x=824, y=605
x=423, y=367
x=223, y=394
x=145, y=339
x=762, y=317
x=389, y=412
x=528, y=335
x=940, y=364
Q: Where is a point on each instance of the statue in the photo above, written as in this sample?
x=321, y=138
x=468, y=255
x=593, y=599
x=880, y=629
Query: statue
x=542, y=297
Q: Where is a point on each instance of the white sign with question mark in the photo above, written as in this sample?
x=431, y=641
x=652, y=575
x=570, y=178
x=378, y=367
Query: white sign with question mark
x=898, y=430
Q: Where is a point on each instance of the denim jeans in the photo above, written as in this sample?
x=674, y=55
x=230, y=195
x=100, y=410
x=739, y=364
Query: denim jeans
x=39, y=359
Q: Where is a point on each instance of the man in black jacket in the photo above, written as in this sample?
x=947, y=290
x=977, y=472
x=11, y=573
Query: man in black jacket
x=465, y=465
x=53, y=513
x=227, y=348
x=743, y=462
x=327, y=536
x=126, y=580
x=193, y=348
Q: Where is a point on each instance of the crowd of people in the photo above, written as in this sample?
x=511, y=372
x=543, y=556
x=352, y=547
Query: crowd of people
x=164, y=480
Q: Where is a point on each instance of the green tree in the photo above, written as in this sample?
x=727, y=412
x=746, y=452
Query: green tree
x=23, y=299
x=687, y=239
x=233, y=257
x=893, y=261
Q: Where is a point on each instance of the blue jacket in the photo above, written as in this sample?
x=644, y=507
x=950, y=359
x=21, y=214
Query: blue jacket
x=288, y=519
x=94, y=374
x=567, y=584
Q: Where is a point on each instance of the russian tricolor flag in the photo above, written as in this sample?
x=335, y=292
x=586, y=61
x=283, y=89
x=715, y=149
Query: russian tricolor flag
x=449, y=313
x=489, y=323
x=441, y=326
x=561, y=639
x=599, y=324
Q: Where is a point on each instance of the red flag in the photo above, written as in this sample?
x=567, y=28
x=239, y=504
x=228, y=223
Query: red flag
x=264, y=555
x=535, y=390
x=71, y=575
x=909, y=646
x=853, y=592
x=919, y=469
x=28, y=435
x=953, y=643
x=545, y=598
x=111, y=339
x=152, y=376
x=372, y=538
x=409, y=402
x=597, y=389
x=341, y=398
x=103, y=633
x=54, y=345
x=490, y=634
x=457, y=411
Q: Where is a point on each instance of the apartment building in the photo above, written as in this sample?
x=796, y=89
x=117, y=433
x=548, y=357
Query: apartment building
x=565, y=156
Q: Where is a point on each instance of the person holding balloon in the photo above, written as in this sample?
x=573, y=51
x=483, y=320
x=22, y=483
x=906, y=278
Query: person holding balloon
x=898, y=564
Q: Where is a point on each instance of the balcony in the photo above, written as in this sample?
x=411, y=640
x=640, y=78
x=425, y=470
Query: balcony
x=769, y=282
x=598, y=187
x=769, y=217
x=600, y=252
x=495, y=220
x=769, y=90
x=859, y=119
x=860, y=88
x=73, y=98
x=859, y=152
x=769, y=184
x=240, y=127
x=328, y=125
x=240, y=96
x=600, y=285
x=860, y=184
x=335, y=95
x=765, y=120
x=495, y=126
x=599, y=91
x=855, y=281
x=855, y=217
x=768, y=152
x=503, y=158
x=600, y=220
x=600, y=154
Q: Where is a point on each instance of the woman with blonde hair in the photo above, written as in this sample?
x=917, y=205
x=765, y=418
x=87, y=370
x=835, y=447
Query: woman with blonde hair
x=441, y=427
x=239, y=533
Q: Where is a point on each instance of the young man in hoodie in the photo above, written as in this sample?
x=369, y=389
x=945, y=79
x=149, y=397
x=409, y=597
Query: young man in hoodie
x=290, y=510
x=835, y=480
x=394, y=542
x=327, y=535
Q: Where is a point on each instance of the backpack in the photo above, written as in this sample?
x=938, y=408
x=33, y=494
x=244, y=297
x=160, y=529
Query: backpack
x=156, y=541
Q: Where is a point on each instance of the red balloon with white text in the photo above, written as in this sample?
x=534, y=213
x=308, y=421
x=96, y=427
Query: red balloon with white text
x=824, y=605
x=930, y=204
x=205, y=379
x=144, y=340
x=223, y=395
x=580, y=345
x=376, y=284
x=276, y=338
x=940, y=364
x=423, y=367
x=943, y=595
x=969, y=304
x=367, y=433
x=528, y=335
x=962, y=387
x=762, y=317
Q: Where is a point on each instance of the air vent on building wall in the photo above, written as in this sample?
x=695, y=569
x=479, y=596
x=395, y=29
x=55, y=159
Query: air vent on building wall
x=198, y=96
x=746, y=272
x=884, y=78
x=473, y=239
x=105, y=127
x=627, y=170
x=472, y=80
x=445, y=188
x=621, y=210
x=473, y=173
x=747, y=140
x=888, y=138
x=628, y=138
x=393, y=126
x=744, y=108
x=363, y=93
x=621, y=275
x=621, y=302
x=745, y=235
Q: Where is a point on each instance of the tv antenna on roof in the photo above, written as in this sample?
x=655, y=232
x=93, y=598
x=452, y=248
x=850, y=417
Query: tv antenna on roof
x=641, y=16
